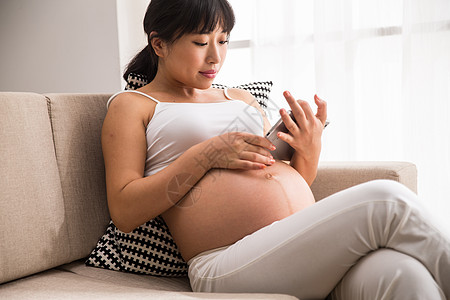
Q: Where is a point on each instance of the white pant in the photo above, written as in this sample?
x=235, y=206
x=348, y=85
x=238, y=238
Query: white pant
x=372, y=241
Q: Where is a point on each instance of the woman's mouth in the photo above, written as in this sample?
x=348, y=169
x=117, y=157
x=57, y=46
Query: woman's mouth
x=209, y=73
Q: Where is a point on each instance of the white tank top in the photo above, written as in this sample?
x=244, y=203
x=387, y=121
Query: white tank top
x=175, y=127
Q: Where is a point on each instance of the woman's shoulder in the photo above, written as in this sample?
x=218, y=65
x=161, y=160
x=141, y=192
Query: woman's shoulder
x=131, y=106
x=130, y=99
x=240, y=94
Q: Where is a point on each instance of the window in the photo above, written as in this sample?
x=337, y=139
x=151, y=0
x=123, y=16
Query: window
x=383, y=67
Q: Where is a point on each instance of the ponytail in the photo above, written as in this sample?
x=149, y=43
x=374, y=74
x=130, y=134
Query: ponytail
x=144, y=63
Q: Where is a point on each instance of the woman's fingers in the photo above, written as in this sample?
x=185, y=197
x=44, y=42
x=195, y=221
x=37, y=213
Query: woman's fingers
x=257, y=140
x=242, y=150
x=256, y=157
x=306, y=109
x=286, y=137
x=297, y=110
x=303, y=112
x=257, y=149
x=290, y=124
x=321, y=109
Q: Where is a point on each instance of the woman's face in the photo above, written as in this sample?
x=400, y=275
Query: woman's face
x=195, y=59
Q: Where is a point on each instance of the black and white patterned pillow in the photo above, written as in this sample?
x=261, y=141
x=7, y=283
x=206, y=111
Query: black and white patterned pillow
x=135, y=81
x=150, y=249
x=259, y=89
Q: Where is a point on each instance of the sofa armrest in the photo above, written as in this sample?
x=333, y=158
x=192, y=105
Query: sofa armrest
x=333, y=177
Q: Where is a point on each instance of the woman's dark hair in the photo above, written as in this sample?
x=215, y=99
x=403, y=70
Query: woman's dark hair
x=171, y=19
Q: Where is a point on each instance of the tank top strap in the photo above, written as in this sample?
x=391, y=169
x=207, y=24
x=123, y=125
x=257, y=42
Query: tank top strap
x=225, y=92
x=129, y=91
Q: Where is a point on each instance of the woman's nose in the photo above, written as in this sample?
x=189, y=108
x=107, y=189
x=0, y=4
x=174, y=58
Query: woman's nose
x=214, y=56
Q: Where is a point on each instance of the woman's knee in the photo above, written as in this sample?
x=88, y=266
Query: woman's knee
x=388, y=187
x=388, y=274
x=382, y=199
x=390, y=190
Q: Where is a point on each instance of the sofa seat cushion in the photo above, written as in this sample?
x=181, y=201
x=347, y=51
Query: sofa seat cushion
x=76, y=281
x=129, y=279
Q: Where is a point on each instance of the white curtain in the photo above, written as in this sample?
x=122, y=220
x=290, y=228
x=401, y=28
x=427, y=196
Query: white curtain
x=131, y=35
x=383, y=66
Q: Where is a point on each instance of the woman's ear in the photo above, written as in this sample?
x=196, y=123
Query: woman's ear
x=158, y=45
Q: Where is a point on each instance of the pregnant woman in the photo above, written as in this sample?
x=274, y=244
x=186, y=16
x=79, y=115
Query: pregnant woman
x=243, y=221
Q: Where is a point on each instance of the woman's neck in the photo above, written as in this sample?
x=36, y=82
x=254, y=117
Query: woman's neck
x=164, y=85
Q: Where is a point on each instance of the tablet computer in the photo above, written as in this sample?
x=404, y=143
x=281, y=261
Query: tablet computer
x=283, y=150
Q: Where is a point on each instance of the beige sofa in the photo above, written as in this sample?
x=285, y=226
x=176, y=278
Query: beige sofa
x=53, y=205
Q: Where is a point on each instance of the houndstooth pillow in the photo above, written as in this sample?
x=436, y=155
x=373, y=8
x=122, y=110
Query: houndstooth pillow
x=150, y=249
x=260, y=89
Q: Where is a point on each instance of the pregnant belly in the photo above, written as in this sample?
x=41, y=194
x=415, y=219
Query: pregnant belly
x=226, y=205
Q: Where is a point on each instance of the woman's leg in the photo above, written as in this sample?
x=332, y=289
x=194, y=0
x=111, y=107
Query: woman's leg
x=308, y=253
x=387, y=274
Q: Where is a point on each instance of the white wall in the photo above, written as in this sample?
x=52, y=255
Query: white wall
x=132, y=38
x=59, y=46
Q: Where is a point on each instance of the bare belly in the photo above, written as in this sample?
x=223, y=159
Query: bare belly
x=226, y=205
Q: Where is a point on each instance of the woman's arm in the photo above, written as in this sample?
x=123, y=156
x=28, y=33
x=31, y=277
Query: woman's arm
x=134, y=199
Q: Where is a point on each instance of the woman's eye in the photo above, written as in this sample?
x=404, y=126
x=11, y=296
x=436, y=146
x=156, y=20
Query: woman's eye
x=205, y=44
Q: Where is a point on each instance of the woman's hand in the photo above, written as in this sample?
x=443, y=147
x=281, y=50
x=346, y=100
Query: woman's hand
x=237, y=150
x=306, y=131
x=305, y=134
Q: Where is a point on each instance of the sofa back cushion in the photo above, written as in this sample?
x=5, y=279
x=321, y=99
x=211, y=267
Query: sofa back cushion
x=77, y=121
x=33, y=229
